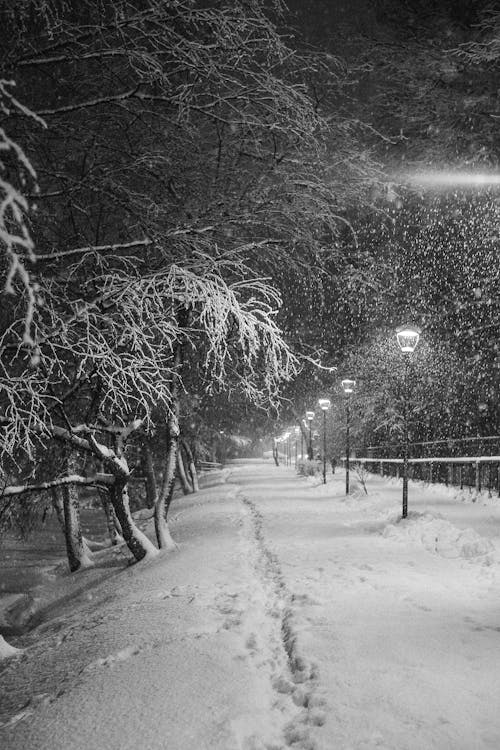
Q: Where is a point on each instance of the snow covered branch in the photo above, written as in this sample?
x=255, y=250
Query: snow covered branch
x=93, y=249
x=11, y=490
x=15, y=239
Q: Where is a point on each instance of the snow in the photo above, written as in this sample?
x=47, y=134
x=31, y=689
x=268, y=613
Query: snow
x=289, y=616
x=6, y=650
x=440, y=536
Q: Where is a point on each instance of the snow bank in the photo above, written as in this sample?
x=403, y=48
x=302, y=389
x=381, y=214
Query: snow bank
x=334, y=489
x=6, y=650
x=481, y=498
x=439, y=536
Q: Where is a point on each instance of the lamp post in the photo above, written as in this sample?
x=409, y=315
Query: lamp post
x=310, y=417
x=290, y=444
x=285, y=437
x=296, y=430
x=407, y=337
x=348, y=386
x=324, y=405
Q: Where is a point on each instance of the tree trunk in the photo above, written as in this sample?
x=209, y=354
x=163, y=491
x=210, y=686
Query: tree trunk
x=57, y=504
x=191, y=466
x=114, y=530
x=181, y=471
x=78, y=554
x=172, y=447
x=194, y=476
x=276, y=455
x=136, y=541
x=168, y=483
x=149, y=472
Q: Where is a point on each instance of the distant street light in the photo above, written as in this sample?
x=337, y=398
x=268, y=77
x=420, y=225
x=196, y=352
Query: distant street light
x=310, y=417
x=348, y=386
x=324, y=405
x=407, y=337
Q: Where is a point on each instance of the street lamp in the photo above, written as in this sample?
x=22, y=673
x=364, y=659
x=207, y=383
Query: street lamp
x=324, y=405
x=348, y=386
x=310, y=417
x=407, y=337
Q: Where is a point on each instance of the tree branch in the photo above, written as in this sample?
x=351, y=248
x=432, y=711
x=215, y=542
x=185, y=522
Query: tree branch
x=93, y=248
x=89, y=103
x=21, y=489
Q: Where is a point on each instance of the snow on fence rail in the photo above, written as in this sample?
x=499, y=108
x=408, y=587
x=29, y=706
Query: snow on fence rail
x=463, y=446
x=479, y=472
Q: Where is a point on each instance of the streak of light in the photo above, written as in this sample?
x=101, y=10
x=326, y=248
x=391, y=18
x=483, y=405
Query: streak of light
x=451, y=178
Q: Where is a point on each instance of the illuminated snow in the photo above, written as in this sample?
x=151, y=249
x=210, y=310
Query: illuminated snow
x=290, y=616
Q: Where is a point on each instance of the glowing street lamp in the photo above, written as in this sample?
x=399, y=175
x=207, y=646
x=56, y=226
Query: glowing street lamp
x=348, y=386
x=310, y=417
x=324, y=404
x=407, y=337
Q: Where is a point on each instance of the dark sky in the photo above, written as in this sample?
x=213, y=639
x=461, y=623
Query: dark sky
x=329, y=23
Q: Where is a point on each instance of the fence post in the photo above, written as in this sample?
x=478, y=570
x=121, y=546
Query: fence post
x=478, y=476
x=449, y=478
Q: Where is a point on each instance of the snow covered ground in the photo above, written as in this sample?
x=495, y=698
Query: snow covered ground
x=289, y=617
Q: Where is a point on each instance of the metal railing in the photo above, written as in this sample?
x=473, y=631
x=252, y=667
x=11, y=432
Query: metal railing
x=488, y=445
x=475, y=472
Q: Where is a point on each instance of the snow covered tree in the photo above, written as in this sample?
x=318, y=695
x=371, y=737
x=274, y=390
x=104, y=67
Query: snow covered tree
x=186, y=156
x=441, y=392
x=121, y=361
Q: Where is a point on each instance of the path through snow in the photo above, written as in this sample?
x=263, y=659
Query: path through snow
x=289, y=618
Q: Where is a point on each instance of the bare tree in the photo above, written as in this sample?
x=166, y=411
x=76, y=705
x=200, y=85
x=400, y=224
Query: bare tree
x=186, y=162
